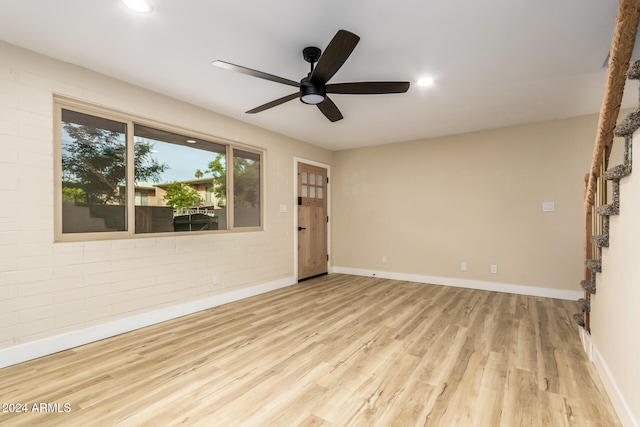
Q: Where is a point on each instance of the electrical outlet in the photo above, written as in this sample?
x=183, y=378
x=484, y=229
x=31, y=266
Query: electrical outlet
x=494, y=268
x=548, y=206
x=384, y=259
x=463, y=266
x=216, y=279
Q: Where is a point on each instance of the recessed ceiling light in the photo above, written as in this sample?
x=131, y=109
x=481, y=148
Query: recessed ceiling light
x=191, y=141
x=425, y=81
x=142, y=6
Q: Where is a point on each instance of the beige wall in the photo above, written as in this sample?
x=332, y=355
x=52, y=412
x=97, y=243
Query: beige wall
x=429, y=205
x=616, y=305
x=48, y=288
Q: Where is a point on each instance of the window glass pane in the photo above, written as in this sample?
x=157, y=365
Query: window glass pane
x=246, y=189
x=320, y=180
x=184, y=180
x=304, y=177
x=320, y=193
x=305, y=191
x=312, y=192
x=94, y=185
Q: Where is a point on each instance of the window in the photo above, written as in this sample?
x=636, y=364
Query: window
x=189, y=178
x=94, y=178
x=246, y=188
x=118, y=177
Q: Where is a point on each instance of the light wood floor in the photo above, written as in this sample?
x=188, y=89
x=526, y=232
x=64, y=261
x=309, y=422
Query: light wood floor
x=333, y=351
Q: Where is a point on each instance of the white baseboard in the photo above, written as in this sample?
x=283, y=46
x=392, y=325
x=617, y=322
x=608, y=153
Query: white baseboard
x=618, y=401
x=587, y=344
x=466, y=283
x=32, y=350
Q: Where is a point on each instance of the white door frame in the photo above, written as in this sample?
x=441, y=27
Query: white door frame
x=297, y=160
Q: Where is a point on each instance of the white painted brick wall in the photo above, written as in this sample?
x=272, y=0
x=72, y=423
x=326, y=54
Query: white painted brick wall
x=49, y=288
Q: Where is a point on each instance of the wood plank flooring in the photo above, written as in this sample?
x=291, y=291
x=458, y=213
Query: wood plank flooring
x=333, y=351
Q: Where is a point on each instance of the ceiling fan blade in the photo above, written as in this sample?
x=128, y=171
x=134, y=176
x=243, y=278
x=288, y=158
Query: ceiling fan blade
x=330, y=110
x=336, y=53
x=254, y=73
x=274, y=103
x=368, y=88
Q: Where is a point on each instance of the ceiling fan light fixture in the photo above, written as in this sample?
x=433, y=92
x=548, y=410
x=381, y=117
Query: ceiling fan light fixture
x=312, y=98
x=309, y=94
x=141, y=6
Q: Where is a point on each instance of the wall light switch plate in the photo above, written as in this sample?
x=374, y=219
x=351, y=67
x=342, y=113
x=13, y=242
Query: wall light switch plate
x=283, y=208
x=548, y=207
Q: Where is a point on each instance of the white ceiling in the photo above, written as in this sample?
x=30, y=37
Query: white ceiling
x=495, y=62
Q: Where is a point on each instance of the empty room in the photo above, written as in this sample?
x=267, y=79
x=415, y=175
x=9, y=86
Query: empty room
x=286, y=213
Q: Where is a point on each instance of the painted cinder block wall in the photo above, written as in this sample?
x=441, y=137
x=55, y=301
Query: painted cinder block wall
x=48, y=289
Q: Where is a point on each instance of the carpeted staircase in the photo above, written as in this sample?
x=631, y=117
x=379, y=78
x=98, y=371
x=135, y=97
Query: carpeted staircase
x=625, y=129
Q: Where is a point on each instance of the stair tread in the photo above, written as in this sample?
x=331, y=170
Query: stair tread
x=594, y=265
x=617, y=172
x=634, y=71
x=584, y=304
x=608, y=210
x=628, y=125
x=588, y=286
x=601, y=240
x=579, y=318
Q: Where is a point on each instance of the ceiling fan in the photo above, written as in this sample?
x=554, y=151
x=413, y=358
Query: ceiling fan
x=313, y=88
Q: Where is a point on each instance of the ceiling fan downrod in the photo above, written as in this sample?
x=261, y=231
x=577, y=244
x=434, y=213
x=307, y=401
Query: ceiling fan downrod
x=311, y=54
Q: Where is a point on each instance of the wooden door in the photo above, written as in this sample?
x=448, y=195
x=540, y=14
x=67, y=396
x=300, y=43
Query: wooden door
x=312, y=221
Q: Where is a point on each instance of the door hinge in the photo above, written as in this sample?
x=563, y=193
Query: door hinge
x=327, y=257
x=327, y=180
x=327, y=218
x=299, y=201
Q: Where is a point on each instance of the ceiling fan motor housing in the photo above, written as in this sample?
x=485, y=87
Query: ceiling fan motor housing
x=310, y=94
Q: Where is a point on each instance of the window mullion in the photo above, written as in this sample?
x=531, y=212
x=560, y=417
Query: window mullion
x=230, y=204
x=130, y=165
